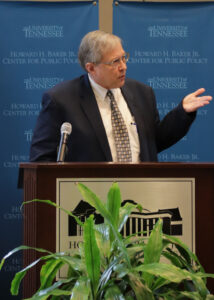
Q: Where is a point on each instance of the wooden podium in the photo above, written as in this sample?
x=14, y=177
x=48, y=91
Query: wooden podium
x=39, y=181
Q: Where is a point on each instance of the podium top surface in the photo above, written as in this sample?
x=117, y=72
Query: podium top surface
x=111, y=165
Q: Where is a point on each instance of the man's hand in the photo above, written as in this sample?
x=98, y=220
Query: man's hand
x=192, y=101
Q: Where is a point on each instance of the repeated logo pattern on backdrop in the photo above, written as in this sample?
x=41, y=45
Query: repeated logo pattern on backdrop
x=38, y=49
x=171, y=50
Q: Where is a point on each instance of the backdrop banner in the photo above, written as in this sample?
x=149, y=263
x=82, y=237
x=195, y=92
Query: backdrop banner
x=39, y=44
x=171, y=50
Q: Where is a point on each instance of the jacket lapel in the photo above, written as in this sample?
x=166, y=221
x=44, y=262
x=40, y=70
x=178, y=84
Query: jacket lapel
x=138, y=114
x=90, y=107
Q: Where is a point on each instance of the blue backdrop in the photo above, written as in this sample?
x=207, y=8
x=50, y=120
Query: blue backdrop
x=38, y=48
x=171, y=49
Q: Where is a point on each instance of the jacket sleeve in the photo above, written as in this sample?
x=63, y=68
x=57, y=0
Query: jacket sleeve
x=172, y=127
x=46, y=136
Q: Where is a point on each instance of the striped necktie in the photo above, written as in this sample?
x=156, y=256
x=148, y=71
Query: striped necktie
x=120, y=132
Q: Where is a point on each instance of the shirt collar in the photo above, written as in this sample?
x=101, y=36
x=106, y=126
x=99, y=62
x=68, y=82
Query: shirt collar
x=100, y=91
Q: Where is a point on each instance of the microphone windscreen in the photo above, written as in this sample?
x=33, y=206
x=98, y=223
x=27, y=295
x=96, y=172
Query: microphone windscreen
x=66, y=128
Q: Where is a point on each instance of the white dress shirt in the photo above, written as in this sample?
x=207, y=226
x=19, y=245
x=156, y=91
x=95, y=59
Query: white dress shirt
x=103, y=103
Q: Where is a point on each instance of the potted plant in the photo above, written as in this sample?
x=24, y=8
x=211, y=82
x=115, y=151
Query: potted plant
x=109, y=266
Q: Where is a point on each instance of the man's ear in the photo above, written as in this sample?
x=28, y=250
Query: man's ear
x=90, y=67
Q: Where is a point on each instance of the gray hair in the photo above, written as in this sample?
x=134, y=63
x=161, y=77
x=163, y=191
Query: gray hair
x=94, y=44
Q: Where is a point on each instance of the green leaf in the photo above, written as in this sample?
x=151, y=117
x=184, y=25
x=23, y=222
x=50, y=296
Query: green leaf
x=178, y=260
x=23, y=247
x=173, y=258
x=92, y=254
x=16, y=282
x=113, y=205
x=204, y=275
x=81, y=290
x=172, y=295
x=190, y=295
x=141, y=291
x=153, y=249
x=52, y=290
x=76, y=263
x=199, y=285
x=114, y=202
x=121, y=270
x=109, y=269
x=94, y=201
x=159, y=282
x=20, y=275
x=102, y=239
x=169, y=272
x=135, y=252
x=57, y=293
x=154, y=246
x=125, y=212
x=49, y=270
x=176, y=275
x=113, y=293
x=184, y=250
x=56, y=259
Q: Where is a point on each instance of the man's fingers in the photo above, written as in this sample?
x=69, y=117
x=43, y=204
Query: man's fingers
x=198, y=92
x=205, y=98
x=193, y=101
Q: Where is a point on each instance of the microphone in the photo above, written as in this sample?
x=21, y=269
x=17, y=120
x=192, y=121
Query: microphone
x=65, y=132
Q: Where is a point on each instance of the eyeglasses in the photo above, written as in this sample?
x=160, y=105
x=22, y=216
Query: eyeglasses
x=117, y=61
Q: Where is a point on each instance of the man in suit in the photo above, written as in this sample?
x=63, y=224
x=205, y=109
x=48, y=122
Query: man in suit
x=86, y=104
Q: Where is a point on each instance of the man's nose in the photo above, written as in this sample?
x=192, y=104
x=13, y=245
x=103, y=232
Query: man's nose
x=123, y=65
